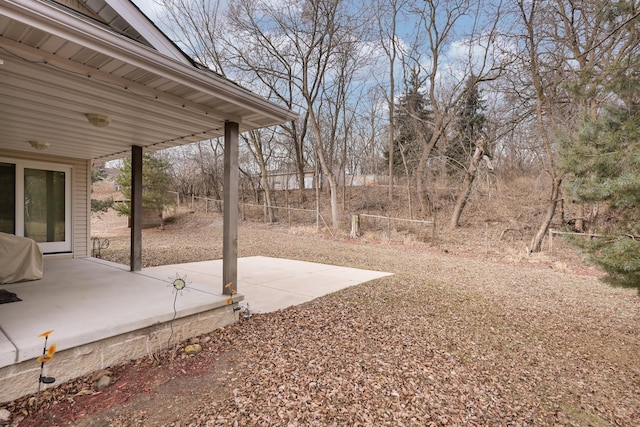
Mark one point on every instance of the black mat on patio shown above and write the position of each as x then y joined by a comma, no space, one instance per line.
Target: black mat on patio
6,296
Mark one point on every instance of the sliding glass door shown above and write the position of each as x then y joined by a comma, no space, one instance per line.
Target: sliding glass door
36,203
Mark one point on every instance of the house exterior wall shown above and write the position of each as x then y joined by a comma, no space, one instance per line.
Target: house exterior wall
80,195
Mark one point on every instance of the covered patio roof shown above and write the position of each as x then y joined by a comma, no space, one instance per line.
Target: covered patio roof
96,80
59,65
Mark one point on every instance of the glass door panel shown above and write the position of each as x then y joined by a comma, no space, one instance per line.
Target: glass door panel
35,202
44,205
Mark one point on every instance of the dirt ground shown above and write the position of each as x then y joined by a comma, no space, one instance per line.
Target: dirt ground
460,335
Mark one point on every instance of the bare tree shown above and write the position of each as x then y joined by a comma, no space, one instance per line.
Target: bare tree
199,26
366,143
184,170
531,13
210,160
469,177
323,34
304,53
204,30
263,55
387,14
258,143
445,86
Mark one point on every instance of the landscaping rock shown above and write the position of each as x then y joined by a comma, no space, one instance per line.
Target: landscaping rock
193,349
104,382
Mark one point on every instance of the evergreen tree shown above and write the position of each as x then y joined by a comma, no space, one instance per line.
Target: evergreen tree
407,147
469,127
156,184
603,162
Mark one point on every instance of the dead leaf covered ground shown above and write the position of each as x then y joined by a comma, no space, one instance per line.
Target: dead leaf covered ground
448,340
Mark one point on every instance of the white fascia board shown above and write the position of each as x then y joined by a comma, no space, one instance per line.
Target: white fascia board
58,22
130,13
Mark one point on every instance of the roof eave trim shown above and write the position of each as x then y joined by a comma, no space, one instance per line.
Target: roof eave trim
136,18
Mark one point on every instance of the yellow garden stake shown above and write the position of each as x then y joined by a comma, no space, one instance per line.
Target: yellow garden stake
47,355
231,293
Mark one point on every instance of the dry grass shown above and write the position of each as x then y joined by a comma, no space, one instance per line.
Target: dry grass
453,338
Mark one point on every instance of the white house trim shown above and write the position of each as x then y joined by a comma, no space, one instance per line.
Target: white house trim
150,32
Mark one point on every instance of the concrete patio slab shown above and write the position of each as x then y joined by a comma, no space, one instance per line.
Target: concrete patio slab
86,300
270,284
8,352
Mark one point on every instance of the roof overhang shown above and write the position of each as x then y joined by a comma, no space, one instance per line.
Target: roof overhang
57,66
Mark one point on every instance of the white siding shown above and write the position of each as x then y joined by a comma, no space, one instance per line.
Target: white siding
80,195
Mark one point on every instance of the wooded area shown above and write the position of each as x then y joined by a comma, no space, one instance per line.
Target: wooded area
430,95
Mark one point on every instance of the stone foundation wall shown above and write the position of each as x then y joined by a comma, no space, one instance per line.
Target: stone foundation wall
22,379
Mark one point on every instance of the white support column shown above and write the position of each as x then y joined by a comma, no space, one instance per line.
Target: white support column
230,224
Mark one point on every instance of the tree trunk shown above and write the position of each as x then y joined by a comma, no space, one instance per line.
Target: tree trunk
335,215
390,144
300,171
325,168
298,136
426,206
536,243
408,179
258,155
465,190
267,199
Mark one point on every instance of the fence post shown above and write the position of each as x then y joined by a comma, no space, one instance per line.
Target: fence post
551,241
193,197
206,205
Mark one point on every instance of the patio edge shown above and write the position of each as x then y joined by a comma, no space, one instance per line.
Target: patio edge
21,379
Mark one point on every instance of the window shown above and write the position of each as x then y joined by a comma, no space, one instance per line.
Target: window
35,202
